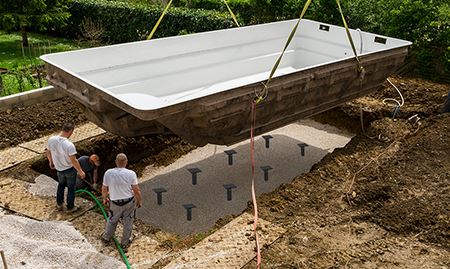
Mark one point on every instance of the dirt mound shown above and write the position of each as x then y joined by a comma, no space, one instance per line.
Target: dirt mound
382,201
410,194
28,123
388,129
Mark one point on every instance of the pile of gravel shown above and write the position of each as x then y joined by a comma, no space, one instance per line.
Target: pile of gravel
43,186
50,244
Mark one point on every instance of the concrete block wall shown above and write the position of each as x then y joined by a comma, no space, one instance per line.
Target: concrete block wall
29,98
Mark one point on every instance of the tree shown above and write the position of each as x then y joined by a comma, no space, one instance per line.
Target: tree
25,15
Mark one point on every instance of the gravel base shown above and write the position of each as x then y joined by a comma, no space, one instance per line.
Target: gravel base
306,130
44,186
49,244
220,189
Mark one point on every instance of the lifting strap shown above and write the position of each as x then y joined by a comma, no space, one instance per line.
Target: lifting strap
232,14
260,96
167,8
263,94
159,21
350,39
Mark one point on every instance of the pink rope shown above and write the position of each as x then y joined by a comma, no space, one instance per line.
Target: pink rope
255,206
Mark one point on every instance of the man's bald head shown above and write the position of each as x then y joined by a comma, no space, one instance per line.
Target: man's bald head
94,159
121,160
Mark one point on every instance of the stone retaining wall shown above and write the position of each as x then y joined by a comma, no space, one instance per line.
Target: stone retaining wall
29,98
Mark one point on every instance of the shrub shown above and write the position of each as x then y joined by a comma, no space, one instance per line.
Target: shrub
243,9
426,23
125,22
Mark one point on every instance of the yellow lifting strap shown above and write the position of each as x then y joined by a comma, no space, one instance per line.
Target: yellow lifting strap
231,13
360,67
262,95
167,7
159,21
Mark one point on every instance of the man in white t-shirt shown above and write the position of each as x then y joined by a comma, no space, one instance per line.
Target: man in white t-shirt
124,197
61,156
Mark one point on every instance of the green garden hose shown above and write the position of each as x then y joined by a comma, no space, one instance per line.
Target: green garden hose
124,257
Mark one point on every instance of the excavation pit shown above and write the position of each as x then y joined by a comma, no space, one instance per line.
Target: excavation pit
202,187
141,151
198,178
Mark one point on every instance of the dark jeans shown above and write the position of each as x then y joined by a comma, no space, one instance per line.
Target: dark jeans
66,178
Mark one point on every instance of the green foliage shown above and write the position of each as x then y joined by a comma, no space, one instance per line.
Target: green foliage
32,14
12,55
426,23
202,4
19,80
22,65
125,22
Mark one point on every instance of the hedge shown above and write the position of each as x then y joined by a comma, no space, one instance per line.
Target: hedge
125,22
244,9
426,23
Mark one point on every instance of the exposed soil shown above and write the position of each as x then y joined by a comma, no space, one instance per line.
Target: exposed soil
28,123
383,201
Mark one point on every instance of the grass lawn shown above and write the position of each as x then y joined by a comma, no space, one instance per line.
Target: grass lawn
14,57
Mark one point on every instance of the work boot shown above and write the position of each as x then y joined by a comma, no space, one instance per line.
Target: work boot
104,241
73,209
125,246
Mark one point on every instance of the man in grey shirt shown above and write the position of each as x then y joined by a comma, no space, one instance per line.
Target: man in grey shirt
121,185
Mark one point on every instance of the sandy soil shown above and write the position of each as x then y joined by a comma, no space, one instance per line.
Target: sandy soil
381,202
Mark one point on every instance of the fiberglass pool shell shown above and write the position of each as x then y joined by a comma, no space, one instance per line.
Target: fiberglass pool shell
200,86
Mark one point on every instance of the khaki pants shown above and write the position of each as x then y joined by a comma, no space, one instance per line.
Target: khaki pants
126,212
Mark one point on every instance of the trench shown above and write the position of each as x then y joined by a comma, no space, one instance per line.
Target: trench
141,151
186,190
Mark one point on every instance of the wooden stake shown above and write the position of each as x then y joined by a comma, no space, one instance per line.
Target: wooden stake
3,259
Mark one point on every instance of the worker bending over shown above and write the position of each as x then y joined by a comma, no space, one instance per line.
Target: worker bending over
124,197
89,165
